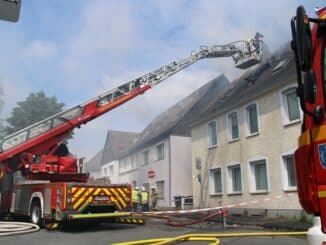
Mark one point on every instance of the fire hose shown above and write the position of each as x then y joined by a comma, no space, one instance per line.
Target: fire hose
170,222
16,228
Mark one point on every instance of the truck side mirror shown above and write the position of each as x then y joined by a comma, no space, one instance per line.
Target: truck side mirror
309,86
303,39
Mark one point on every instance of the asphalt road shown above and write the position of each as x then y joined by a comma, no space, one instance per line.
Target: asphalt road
109,233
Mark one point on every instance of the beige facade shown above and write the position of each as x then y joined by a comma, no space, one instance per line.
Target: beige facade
272,144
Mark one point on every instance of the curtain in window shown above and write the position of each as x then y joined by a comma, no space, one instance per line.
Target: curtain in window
260,175
145,155
212,133
293,106
160,189
290,167
217,177
234,126
253,119
236,178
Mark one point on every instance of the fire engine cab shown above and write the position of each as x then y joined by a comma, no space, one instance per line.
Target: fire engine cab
310,157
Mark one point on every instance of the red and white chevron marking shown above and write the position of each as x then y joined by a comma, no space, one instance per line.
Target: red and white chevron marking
217,208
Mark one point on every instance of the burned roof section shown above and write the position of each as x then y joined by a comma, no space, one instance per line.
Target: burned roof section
176,120
275,72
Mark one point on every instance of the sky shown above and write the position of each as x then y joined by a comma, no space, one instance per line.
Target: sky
77,49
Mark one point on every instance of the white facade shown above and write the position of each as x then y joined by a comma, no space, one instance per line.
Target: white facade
170,159
110,170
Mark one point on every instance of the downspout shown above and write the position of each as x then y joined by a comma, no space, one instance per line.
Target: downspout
170,171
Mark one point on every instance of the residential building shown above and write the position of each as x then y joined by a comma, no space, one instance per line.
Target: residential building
93,166
243,142
105,162
164,147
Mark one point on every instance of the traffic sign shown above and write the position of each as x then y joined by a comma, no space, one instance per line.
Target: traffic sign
151,174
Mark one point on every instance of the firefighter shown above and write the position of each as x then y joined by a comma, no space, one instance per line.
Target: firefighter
154,198
135,199
144,199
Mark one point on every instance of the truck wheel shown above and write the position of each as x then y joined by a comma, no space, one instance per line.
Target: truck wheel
36,213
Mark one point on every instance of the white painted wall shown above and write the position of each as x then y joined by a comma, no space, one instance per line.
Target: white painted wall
181,172
110,170
176,182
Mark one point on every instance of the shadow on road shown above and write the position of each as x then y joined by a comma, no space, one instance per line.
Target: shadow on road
91,227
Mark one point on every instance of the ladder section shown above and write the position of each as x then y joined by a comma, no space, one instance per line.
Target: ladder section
63,122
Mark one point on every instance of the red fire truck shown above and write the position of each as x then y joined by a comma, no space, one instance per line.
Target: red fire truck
310,157
40,178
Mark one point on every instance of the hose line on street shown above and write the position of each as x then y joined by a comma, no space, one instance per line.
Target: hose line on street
16,228
213,237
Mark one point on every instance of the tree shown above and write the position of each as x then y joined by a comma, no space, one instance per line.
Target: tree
36,107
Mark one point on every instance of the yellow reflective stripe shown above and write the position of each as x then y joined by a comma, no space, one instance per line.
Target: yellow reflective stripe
118,199
80,200
113,198
98,215
304,139
318,133
121,193
78,193
321,194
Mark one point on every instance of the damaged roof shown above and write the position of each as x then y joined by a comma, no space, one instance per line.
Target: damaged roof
275,72
177,118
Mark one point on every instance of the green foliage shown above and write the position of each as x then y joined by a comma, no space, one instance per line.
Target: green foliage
36,107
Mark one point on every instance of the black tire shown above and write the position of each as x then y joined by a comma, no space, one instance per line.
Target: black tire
35,216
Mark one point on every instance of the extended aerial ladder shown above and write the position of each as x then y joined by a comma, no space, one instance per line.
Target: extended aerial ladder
39,149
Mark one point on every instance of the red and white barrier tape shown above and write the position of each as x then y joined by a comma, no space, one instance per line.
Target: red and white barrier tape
216,208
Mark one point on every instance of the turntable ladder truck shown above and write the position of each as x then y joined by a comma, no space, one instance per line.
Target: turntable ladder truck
39,177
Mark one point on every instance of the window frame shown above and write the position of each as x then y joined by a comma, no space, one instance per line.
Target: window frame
229,180
247,119
162,155
208,134
161,195
143,155
284,172
211,181
284,105
252,177
229,126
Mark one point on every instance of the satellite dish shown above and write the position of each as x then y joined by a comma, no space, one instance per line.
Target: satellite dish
9,10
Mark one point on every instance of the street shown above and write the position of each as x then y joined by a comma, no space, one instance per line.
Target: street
98,234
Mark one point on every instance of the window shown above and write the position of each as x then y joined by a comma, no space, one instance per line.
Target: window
290,106
288,176
212,134
134,161
258,176
145,157
123,165
160,152
234,179
160,189
216,181
251,118
111,170
233,126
